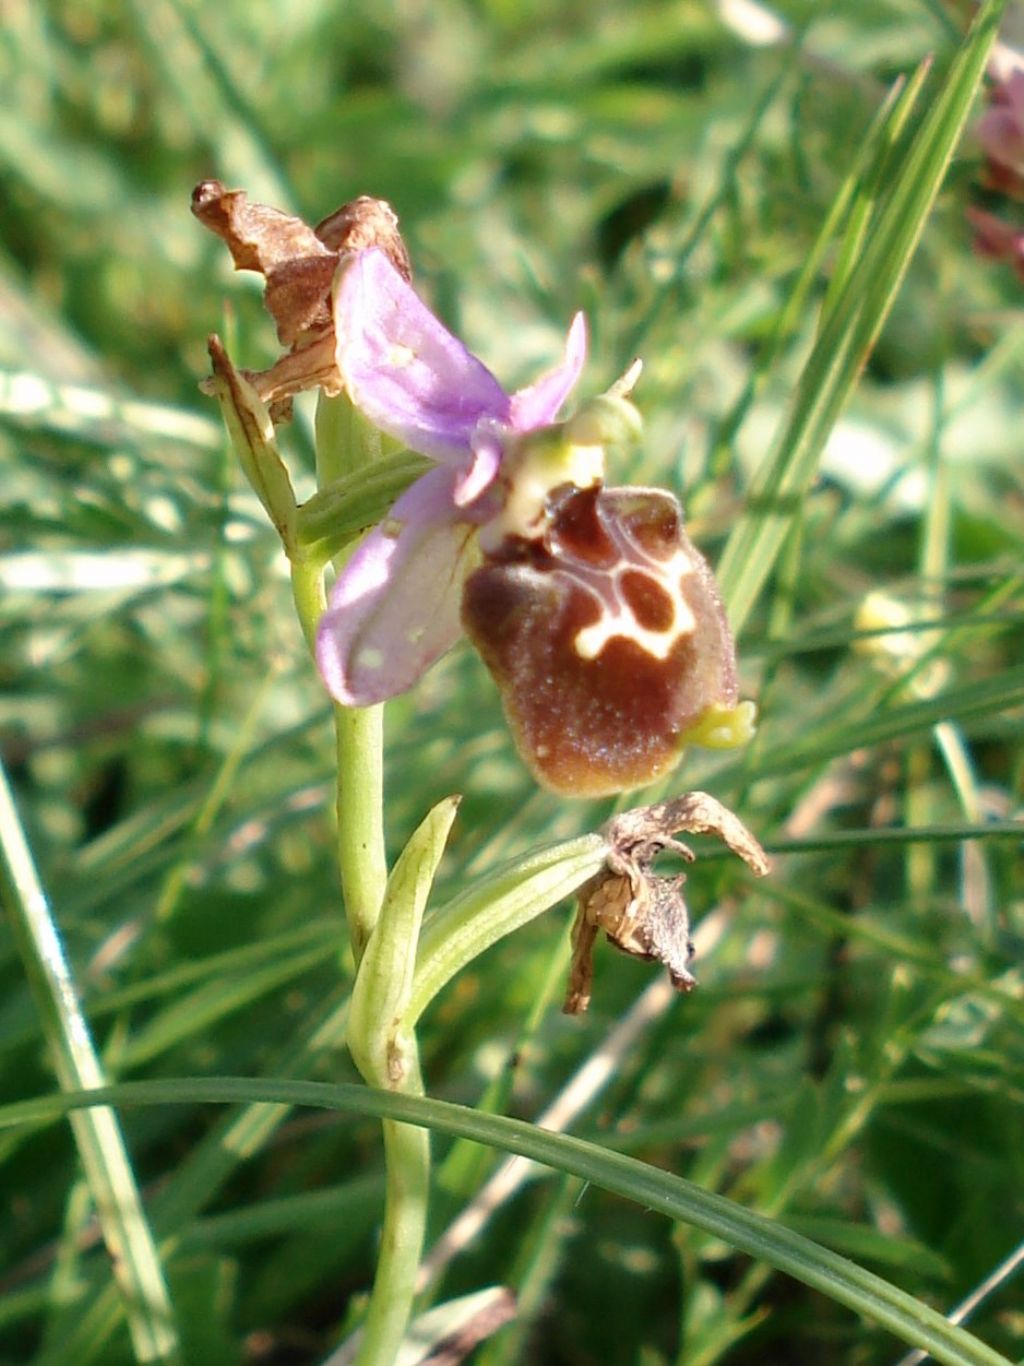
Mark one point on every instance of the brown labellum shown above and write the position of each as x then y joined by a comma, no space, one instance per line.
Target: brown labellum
606,637
641,912
298,263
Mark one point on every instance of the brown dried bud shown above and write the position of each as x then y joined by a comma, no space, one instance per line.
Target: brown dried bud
363,223
298,263
642,913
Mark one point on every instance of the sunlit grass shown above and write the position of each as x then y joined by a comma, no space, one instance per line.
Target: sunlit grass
851,1065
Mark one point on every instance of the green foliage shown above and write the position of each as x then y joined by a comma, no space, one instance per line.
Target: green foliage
850,1067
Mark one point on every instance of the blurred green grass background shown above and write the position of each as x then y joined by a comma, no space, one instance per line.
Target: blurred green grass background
852,1062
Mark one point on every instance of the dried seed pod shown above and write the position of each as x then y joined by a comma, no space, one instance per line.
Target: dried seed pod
641,912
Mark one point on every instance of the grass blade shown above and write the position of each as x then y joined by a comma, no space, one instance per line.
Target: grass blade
136,1265
850,330
835,1276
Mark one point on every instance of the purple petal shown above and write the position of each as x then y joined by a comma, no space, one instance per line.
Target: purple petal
476,477
405,371
394,609
538,404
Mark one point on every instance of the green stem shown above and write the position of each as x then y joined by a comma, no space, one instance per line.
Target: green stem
388,1057
345,442
359,738
310,598
383,921
407,1164
359,742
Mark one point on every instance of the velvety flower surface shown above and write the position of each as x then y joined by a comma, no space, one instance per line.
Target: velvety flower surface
394,609
608,640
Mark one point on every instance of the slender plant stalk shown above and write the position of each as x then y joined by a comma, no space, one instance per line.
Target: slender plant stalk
383,917
346,443
134,1259
383,932
407,1175
407,1187
359,746
359,741
387,1055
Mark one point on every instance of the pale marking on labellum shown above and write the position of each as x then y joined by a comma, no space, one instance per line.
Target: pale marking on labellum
618,618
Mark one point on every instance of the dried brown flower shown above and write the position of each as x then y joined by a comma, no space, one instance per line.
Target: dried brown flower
298,263
641,912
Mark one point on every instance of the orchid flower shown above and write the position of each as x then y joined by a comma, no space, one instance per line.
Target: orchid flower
394,608
597,618
595,615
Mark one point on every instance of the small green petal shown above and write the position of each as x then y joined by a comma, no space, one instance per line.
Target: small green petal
723,727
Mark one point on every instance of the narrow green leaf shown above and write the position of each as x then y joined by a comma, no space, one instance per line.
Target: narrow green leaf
495,906
337,513
870,186
857,1240
790,319
252,436
985,697
844,342
763,1239
385,976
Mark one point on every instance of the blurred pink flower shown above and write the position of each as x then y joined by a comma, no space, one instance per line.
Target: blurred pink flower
1000,131
998,240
